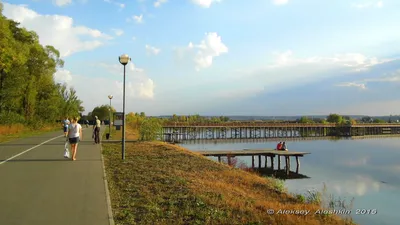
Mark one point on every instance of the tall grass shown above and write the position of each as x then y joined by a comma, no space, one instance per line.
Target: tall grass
13,131
166,184
323,198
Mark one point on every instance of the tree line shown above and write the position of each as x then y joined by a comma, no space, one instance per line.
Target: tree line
28,93
342,120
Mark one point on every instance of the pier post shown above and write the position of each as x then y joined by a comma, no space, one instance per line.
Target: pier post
252,161
298,164
279,162
259,161
272,162
266,161
219,159
287,164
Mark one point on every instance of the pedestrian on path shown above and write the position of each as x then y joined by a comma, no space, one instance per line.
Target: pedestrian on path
74,135
66,123
96,130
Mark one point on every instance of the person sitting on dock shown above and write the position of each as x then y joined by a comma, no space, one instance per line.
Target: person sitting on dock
279,146
284,147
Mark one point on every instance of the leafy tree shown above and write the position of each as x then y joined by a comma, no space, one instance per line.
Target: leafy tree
366,119
28,93
102,112
334,118
377,120
305,119
150,128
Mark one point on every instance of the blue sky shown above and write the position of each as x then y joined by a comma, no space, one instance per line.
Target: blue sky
259,57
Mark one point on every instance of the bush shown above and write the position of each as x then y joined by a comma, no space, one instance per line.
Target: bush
150,129
9,118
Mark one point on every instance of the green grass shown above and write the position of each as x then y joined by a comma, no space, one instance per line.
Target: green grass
159,183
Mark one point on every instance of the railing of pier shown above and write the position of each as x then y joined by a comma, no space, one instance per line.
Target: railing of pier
266,124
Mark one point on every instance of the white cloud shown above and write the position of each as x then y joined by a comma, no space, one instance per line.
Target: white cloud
120,5
297,71
116,69
62,2
56,30
118,32
62,76
378,4
139,87
280,2
137,19
356,61
211,46
158,3
393,77
152,50
353,84
205,3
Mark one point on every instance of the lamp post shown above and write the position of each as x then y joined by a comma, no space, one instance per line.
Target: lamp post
109,120
123,59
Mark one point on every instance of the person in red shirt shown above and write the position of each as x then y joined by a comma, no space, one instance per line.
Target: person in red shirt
279,146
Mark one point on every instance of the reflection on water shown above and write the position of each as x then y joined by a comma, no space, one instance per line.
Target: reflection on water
366,169
280,174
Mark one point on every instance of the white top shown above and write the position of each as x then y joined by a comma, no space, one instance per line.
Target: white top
74,130
98,123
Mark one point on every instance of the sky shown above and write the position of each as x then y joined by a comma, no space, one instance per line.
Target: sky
225,57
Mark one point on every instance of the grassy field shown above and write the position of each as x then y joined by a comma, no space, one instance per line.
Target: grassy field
160,183
11,132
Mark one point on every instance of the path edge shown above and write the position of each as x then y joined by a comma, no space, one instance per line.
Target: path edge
108,199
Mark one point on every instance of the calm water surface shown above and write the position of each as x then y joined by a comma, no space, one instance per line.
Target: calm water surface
366,169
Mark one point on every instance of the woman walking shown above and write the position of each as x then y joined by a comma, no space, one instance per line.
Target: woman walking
74,135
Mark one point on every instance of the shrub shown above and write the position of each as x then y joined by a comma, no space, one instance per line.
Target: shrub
150,129
9,118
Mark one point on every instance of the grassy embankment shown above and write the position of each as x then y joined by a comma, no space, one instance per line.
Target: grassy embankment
15,131
160,183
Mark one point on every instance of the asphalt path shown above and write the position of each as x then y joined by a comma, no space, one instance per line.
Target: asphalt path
39,187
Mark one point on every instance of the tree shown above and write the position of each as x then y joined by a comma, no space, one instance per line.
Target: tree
334,118
28,92
366,119
305,119
102,112
377,120
150,128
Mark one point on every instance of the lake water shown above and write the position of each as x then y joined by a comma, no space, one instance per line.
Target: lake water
366,169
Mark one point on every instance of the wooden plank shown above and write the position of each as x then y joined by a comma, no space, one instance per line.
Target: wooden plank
250,153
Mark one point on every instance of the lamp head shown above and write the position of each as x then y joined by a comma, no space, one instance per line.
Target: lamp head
110,96
124,59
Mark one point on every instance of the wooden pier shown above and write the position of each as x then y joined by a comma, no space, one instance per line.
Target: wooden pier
267,153
177,132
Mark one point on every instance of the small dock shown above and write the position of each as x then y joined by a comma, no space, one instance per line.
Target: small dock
266,153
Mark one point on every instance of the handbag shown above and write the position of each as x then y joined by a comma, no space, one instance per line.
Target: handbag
66,151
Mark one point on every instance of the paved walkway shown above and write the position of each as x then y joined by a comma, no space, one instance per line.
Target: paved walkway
40,187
